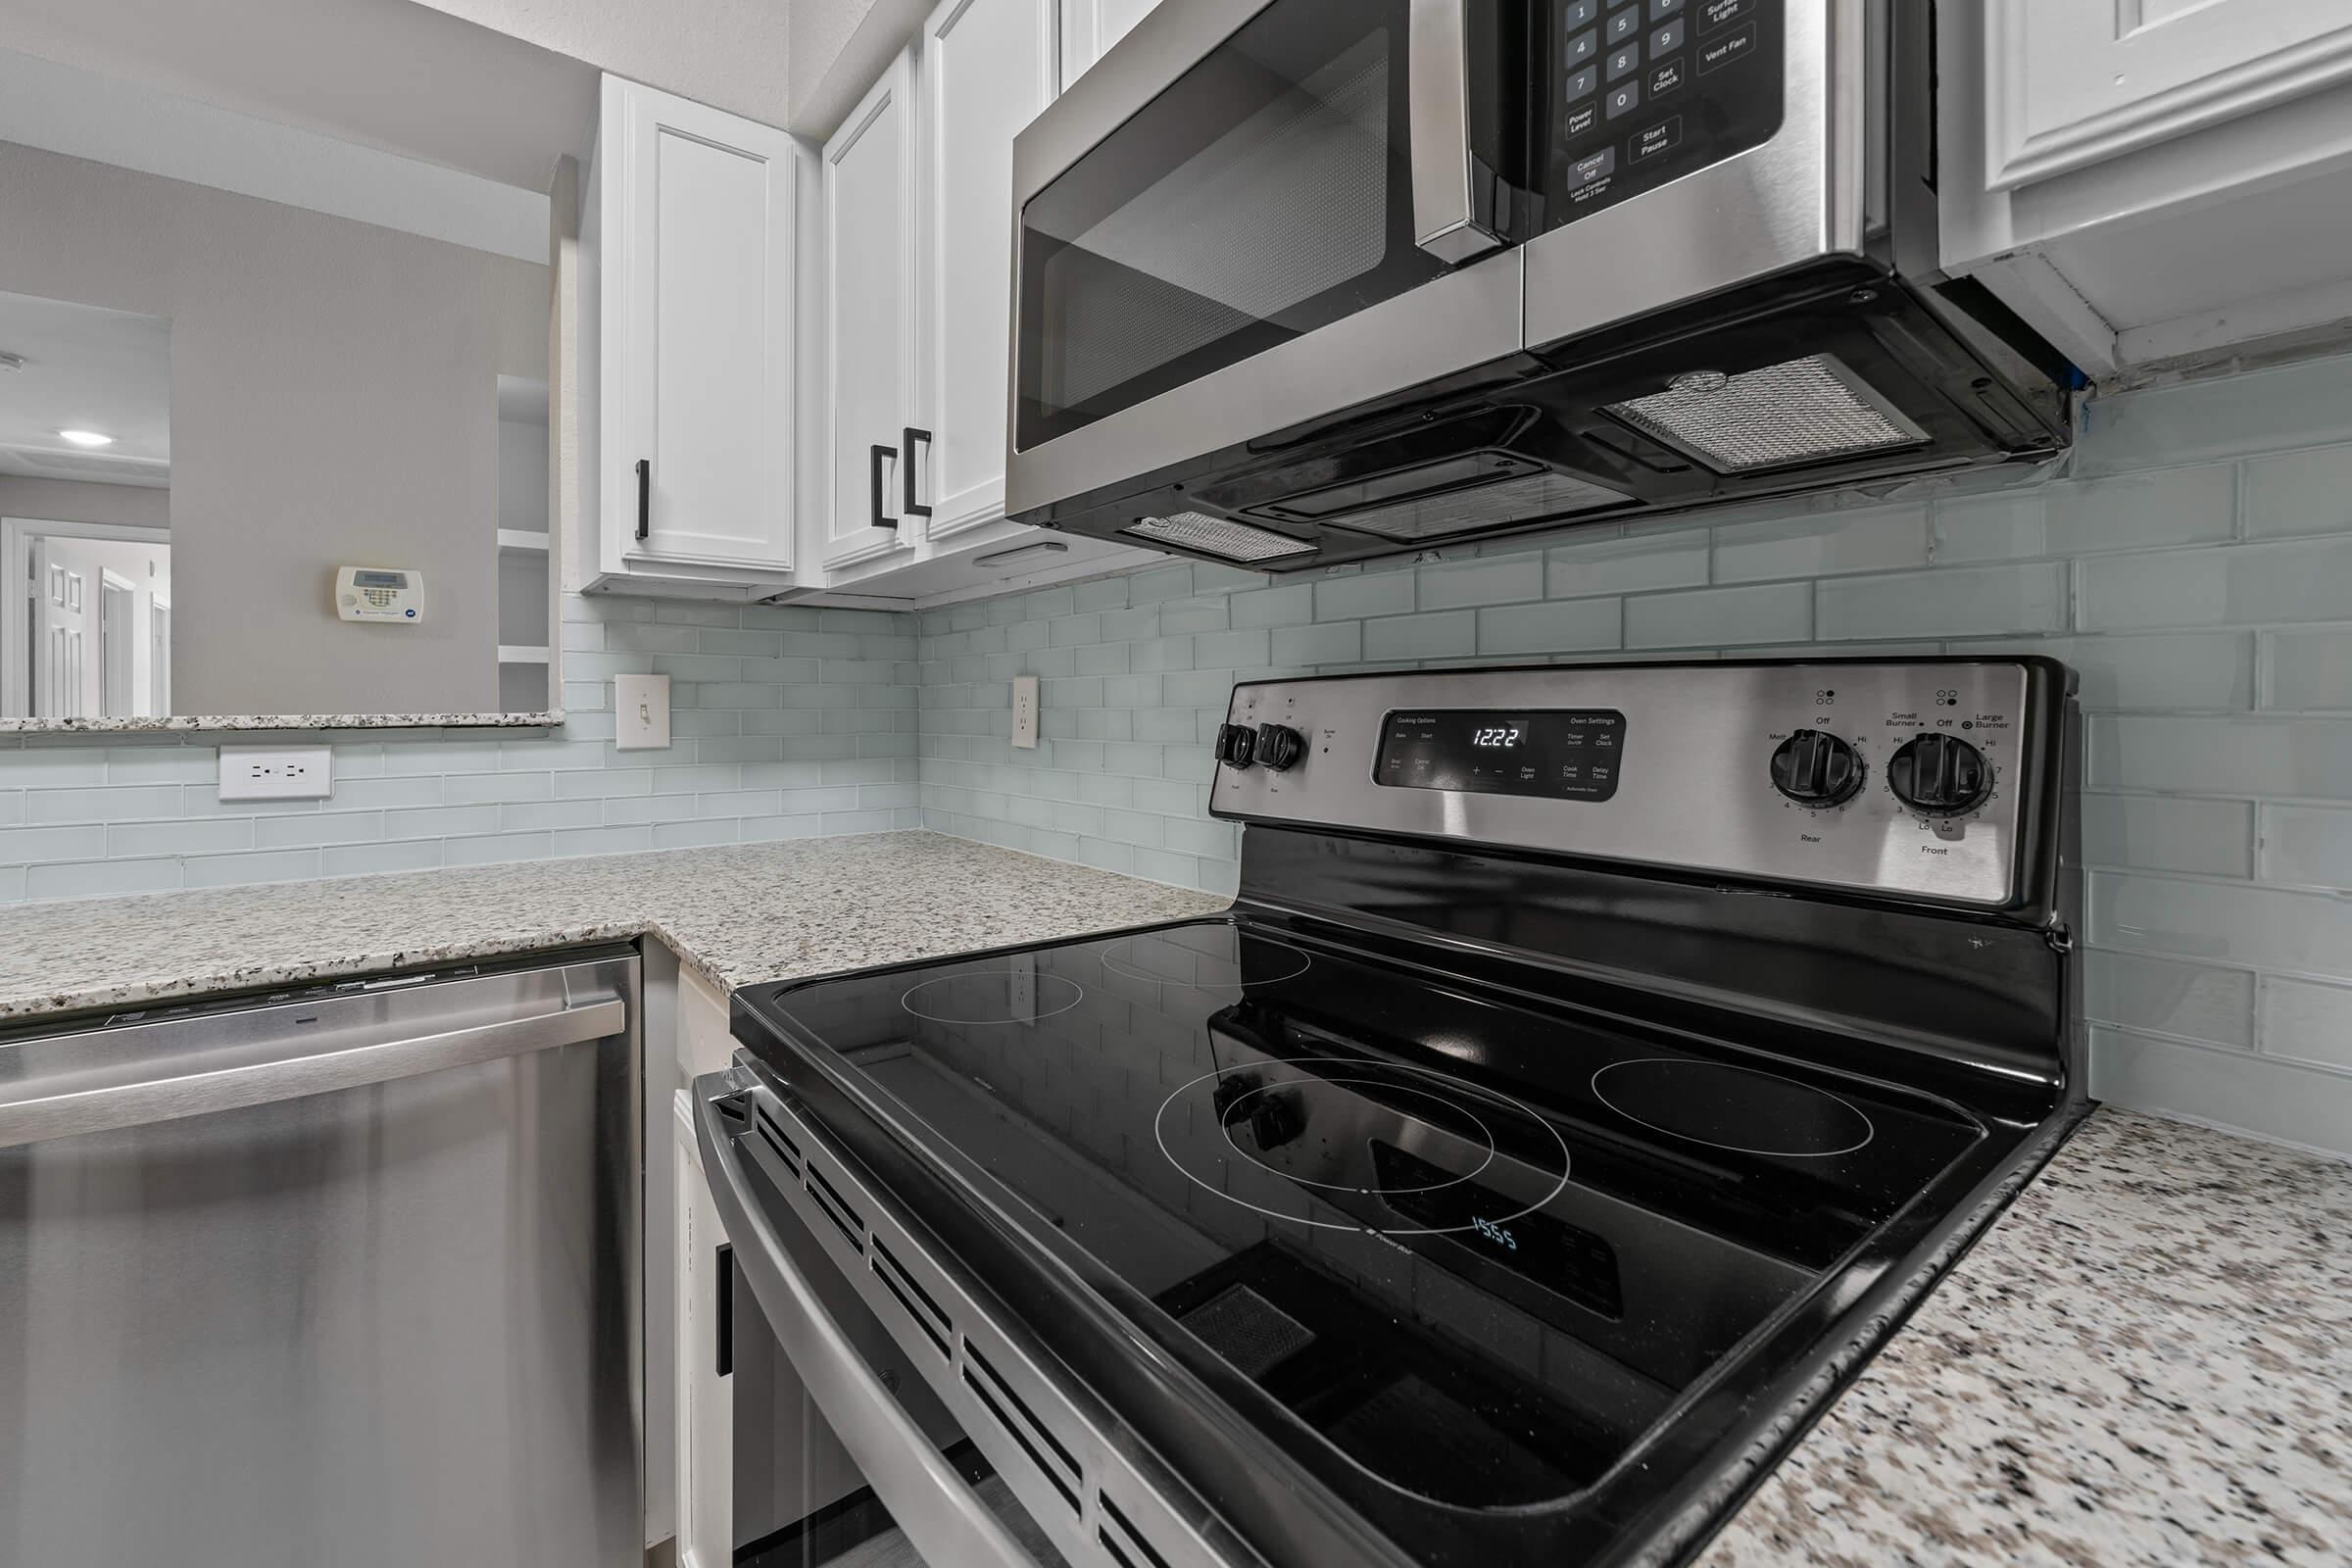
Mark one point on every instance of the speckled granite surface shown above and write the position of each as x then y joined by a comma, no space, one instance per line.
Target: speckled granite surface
190,723
2147,1361
739,915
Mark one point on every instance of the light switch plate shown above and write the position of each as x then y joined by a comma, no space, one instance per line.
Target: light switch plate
640,712
1024,713
276,772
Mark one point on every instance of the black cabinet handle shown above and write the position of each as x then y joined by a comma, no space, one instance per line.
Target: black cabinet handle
645,497
726,1309
908,438
875,457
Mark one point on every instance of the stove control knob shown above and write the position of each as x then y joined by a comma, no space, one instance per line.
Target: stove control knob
1279,746
1237,745
1814,768
1941,775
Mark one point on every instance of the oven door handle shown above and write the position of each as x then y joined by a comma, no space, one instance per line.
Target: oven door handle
943,1518
1446,221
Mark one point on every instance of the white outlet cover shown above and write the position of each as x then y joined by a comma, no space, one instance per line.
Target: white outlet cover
1024,712
640,712
276,772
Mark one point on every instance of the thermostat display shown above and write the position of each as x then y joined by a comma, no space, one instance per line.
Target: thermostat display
380,593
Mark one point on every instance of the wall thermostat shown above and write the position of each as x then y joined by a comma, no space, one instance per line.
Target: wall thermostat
380,593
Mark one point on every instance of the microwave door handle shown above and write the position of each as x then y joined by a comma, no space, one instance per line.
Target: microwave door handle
1446,220
943,1518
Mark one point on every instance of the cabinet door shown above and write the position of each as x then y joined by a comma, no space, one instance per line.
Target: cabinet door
700,466
869,290
2075,82
1091,26
705,1451
988,68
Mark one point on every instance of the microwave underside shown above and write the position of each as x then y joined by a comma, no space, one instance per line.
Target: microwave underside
1847,381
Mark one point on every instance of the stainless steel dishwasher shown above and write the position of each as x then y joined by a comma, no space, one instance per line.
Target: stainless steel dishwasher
341,1276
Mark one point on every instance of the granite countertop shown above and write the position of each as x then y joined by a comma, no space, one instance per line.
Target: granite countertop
737,914
2147,1361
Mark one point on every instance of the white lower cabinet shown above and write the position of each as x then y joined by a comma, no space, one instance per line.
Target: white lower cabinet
706,1396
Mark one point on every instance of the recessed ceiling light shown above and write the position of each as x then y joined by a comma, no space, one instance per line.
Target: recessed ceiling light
12,362
88,438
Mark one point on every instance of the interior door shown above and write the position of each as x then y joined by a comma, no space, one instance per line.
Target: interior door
988,67
708,233
61,627
869,284
117,648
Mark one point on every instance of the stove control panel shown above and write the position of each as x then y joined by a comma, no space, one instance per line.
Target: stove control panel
1903,776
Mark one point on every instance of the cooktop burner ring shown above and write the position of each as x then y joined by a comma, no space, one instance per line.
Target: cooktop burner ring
1842,1126
1233,1113
1064,994
1132,971
1446,1081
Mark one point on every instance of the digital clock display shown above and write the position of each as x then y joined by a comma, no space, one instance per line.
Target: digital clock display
1569,753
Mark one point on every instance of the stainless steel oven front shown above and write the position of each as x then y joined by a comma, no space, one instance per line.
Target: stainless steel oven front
887,1408
1255,219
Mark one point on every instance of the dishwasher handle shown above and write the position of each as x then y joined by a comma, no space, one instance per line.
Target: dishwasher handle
151,1091
941,1515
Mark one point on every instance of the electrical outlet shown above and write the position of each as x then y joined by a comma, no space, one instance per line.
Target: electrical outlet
640,712
276,772
1024,712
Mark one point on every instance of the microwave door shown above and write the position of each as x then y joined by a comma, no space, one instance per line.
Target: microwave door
1221,235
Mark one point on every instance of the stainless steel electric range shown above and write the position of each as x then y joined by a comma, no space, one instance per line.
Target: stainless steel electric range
1596,1065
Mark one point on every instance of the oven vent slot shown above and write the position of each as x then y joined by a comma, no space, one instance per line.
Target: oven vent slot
1127,1545
781,1142
844,1217
928,1317
996,1395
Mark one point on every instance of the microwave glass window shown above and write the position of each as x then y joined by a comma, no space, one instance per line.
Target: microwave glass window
1264,194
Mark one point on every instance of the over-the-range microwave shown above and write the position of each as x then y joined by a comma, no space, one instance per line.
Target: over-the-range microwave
1307,281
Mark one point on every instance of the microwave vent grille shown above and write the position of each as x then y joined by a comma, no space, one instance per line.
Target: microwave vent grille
1812,409
1218,536
1533,495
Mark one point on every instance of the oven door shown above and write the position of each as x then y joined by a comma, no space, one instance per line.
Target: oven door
1253,214
842,1452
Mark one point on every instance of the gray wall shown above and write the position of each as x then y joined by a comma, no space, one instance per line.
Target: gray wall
126,505
333,402
2196,571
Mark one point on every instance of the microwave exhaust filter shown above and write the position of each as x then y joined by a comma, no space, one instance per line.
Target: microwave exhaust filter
1533,495
1218,536
1812,409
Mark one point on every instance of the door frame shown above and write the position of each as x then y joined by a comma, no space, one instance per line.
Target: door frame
15,594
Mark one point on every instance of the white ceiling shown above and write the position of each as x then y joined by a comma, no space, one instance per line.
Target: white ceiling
85,370
388,74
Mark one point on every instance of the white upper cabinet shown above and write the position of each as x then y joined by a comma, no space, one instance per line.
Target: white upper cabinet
2076,82
695,232
870,268
2151,182
1091,26
988,68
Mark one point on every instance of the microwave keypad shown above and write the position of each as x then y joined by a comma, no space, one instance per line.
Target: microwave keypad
1649,90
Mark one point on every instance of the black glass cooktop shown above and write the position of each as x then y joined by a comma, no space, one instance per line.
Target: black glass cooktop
1477,1240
